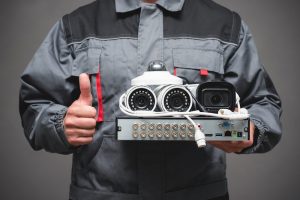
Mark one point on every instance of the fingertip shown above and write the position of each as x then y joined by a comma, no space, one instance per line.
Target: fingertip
83,75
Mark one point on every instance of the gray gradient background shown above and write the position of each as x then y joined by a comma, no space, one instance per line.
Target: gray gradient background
25,174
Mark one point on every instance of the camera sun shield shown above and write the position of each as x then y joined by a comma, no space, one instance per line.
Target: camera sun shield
214,96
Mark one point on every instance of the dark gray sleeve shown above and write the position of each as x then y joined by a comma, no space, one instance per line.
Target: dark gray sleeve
47,89
244,70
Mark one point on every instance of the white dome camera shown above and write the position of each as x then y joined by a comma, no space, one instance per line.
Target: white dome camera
156,75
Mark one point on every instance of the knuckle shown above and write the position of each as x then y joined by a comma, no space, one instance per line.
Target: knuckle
92,132
93,112
72,106
72,109
67,121
68,132
72,140
88,133
93,122
90,110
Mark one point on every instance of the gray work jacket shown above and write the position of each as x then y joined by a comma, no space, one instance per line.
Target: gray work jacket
113,41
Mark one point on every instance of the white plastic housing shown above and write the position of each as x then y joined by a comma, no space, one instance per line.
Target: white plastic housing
156,78
161,95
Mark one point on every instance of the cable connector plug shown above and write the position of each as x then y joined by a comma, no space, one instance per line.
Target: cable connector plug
244,111
225,112
200,138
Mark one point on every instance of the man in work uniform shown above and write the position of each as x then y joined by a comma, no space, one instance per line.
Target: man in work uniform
70,91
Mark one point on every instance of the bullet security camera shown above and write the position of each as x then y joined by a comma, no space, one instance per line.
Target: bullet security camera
214,96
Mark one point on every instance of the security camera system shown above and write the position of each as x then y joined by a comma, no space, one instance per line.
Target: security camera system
159,107
179,129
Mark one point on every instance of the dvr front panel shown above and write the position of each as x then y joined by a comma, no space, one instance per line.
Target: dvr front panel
180,129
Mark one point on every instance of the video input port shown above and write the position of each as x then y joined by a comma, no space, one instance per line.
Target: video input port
183,127
175,127
167,127
159,127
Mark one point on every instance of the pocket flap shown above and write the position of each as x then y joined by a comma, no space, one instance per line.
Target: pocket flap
211,60
86,61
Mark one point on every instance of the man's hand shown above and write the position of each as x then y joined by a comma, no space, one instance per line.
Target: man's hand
236,146
80,120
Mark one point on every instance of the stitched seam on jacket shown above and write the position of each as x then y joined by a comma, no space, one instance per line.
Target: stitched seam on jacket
167,38
101,39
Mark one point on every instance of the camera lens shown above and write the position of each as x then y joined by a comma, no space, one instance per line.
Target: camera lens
216,99
141,101
141,98
175,99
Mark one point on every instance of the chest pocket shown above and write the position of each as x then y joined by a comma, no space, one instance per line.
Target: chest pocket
189,63
87,61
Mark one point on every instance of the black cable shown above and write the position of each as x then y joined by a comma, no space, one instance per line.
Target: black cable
185,81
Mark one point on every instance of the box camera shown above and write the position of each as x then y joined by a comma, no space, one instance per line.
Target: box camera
214,96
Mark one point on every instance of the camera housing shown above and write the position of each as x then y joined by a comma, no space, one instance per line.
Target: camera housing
214,96
174,98
140,98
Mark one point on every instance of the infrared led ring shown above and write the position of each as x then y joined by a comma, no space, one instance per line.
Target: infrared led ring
175,98
141,98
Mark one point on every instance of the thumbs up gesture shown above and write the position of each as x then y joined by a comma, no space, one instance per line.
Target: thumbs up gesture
80,119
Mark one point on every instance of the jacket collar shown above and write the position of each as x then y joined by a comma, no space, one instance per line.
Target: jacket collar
123,6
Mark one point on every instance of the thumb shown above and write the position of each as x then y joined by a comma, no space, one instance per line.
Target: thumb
85,90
